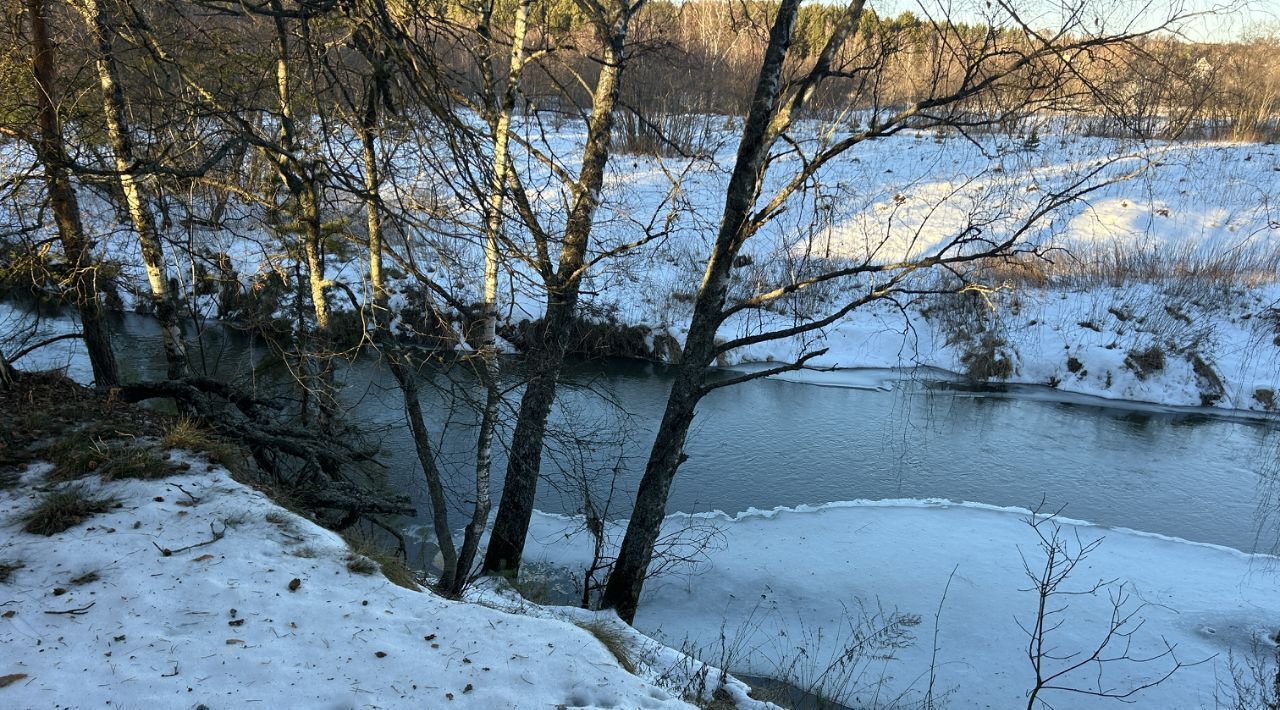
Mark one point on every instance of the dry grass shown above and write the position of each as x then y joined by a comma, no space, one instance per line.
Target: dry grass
359,564
87,578
985,360
614,640
140,462
190,435
63,510
80,454
1183,270
1145,362
7,569
368,556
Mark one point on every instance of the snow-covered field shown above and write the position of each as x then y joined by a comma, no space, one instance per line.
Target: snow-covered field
1189,205
787,590
269,614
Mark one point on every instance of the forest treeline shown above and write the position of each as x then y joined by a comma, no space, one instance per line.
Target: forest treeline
399,166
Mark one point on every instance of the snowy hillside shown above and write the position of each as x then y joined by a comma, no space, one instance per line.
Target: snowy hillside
137,608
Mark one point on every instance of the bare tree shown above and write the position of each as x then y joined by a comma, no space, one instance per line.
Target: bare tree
1057,669
99,18
1036,68
611,20
52,154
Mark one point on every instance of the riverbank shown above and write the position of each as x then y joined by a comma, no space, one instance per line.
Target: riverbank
1147,291
166,582
198,591
931,595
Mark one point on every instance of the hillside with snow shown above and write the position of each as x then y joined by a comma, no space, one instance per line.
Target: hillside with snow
198,591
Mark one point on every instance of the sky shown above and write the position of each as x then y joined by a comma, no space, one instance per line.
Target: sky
1222,19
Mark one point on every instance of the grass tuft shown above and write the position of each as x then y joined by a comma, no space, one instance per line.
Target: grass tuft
7,569
614,640
368,556
87,578
1145,362
63,510
140,462
79,455
985,360
189,435
359,564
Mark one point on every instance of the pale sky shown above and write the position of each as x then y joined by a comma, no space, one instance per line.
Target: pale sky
1230,19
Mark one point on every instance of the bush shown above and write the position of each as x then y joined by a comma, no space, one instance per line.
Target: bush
986,361
1145,362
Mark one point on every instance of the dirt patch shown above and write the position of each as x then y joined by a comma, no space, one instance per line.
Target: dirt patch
1266,397
40,409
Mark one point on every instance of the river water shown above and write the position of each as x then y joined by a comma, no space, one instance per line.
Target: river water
1195,474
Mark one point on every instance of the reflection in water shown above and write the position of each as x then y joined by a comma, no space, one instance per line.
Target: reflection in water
771,443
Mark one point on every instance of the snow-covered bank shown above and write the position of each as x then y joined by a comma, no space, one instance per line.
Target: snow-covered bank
785,585
270,613
1134,343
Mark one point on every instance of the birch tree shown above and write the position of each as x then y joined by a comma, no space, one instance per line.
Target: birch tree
99,19
611,20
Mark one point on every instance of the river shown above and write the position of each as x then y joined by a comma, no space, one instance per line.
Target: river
1202,475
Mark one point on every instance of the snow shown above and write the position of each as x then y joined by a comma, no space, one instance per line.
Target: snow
783,578
786,583
218,625
1200,202
780,595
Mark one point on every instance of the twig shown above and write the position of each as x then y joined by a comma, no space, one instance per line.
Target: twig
194,500
74,612
216,536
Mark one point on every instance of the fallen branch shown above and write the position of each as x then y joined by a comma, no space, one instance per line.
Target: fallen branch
216,536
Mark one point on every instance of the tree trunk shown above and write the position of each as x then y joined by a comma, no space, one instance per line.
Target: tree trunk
313,249
520,487
299,178
407,378
626,581
7,375
102,25
373,215
501,126
515,509
66,207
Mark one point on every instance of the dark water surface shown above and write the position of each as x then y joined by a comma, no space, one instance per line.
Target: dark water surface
1200,476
